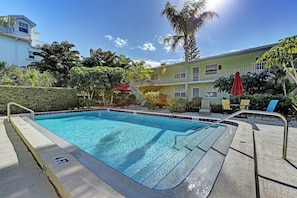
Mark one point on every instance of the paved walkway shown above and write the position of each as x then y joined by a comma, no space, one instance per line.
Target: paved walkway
22,177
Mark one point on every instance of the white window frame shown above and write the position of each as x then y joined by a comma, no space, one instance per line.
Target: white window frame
179,93
259,67
179,73
23,27
31,55
211,93
197,88
211,69
196,75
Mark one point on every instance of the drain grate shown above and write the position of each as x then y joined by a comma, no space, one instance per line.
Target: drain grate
60,160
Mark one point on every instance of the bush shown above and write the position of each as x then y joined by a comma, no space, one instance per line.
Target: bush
37,98
177,105
194,104
261,101
87,102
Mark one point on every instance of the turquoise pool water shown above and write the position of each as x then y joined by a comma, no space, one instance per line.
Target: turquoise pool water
135,145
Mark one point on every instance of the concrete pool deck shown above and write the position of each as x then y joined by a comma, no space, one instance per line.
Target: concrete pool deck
238,177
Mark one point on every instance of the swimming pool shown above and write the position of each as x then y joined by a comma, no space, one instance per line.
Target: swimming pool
156,152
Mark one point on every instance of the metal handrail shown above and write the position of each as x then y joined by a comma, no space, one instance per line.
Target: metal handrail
286,126
16,104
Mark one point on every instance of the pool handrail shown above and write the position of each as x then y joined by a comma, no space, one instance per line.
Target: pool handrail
286,126
16,104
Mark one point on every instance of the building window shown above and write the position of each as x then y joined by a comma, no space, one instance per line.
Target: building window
180,93
211,93
31,55
211,69
23,27
259,66
155,76
180,73
196,92
196,74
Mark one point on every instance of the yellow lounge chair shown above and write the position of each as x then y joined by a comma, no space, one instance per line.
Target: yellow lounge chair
226,106
244,104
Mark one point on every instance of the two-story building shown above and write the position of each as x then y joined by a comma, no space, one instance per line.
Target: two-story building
203,72
18,41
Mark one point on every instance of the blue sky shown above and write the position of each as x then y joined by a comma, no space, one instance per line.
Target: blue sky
135,27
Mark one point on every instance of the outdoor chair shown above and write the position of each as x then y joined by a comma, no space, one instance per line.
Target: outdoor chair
226,106
205,107
271,106
244,104
140,106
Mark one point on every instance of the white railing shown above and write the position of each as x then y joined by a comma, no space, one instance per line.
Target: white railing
16,104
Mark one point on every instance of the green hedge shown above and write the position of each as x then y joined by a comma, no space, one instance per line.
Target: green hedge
39,99
261,101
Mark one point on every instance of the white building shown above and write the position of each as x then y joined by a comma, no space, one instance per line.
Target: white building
18,42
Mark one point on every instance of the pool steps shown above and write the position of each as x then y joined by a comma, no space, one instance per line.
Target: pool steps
175,161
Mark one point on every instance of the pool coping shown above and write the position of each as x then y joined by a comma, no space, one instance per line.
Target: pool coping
56,172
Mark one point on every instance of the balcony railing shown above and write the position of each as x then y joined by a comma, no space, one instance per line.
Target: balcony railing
10,33
202,78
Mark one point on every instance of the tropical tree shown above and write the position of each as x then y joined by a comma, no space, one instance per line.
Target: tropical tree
283,55
15,75
137,74
186,22
108,58
6,21
193,49
97,80
254,83
58,59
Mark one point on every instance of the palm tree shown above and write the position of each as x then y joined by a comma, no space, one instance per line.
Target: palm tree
6,21
186,23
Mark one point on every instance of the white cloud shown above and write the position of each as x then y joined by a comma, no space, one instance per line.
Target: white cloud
148,47
120,42
167,48
109,37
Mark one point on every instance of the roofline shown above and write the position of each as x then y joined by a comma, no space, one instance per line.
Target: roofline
223,55
23,17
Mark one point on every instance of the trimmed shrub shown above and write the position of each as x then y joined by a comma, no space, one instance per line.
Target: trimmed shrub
38,99
177,105
194,104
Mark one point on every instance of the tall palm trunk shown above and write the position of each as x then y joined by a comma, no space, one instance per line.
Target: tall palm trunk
186,69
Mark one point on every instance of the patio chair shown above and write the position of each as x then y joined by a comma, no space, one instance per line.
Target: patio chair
226,106
244,104
271,106
205,107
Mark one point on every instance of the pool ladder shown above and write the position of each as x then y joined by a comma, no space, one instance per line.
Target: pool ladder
255,112
16,104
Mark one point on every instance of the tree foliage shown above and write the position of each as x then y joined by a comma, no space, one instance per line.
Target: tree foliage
97,80
186,22
255,83
283,55
15,75
6,21
58,59
100,58
193,49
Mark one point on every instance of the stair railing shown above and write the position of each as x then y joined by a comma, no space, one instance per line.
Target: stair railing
16,104
255,112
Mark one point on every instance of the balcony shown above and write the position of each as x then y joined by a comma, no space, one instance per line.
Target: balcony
10,33
202,78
